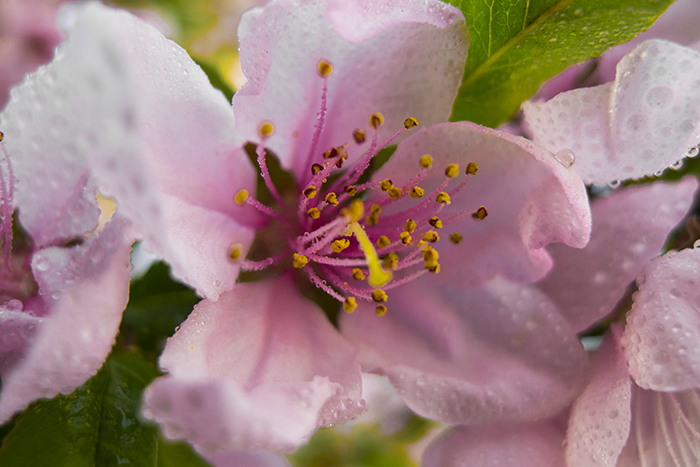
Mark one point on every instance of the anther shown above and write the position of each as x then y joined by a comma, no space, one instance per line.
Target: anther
480,214
341,161
358,275
330,154
314,213
405,238
430,258
372,219
435,222
300,261
331,198
316,168
435,269
325,69
266,129
456,238
452,170
390,262
375,209
376,120
359,136
426,161
2,136
383,241
385,185
240,197
410,226
409,123
431,236
310,192
354,212
443,198
339,245
350,190
380,310
235,251
472,168
394,192
379,296
416,192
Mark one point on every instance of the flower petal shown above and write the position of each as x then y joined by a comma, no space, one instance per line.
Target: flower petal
402,62
614,133
662,336
527,445
600,418
629,229
262,368
248,459
530,197
496,354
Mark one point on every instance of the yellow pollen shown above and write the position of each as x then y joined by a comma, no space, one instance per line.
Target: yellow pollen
359,136
325,69
310,192
314,213
235,251
443,198
379,296
341,161
330,154
375,209
409,123
435,222
339,245
376,120
316,168
394,192
416,192
350,190
426,161
385,185
383,241
372,219
240,197
354,212
410,226
377,276
331,198
405,238
472,168
480,214
435,269
452,170
431,236
300,261
350,304
430,258
456,238
2,136
358,275
391,261
380,310
266,129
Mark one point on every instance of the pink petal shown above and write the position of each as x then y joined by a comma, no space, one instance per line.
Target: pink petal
262,368
531,199
402,62
496,354
629,228
248,459
85,290
615,133
600,417
527,445
662,336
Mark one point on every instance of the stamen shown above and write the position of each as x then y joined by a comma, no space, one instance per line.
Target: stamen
331,199
260,151
376,120
359,136
409,123
405,238
235,251
258,265
350,190
321,115
416,192
385,185
358,275
380,310
383,241
325,69
349,304
426,161
379,296
472,168
266,129
452,170
395,193
314,213
410,226
480,214
390,262
7,193
310,192
339,245
435,222
456,238
443,198
322,285
300,261
316,168
240,197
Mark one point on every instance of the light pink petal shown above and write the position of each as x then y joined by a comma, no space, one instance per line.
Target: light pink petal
496,354
262,368
527,445
629,228
531,199
645,121
600,418
662,336
248,459
402,61
84,289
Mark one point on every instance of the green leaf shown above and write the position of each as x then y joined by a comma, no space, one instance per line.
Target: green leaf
516,45
178,454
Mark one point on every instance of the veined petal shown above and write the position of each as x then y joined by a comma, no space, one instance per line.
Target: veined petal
629,228
402,62
262,368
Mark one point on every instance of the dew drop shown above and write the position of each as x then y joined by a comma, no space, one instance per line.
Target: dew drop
565,157
42,265
677,165
14,305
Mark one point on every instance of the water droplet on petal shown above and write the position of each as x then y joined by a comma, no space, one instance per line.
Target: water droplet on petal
566,157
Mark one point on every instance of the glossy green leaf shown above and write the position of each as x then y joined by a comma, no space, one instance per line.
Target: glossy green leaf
516,45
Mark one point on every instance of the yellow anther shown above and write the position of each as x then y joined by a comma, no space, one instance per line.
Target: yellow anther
339,245
380,310
426,161
235,251
480,214
452,170
431,236
405,238
410,226
443,198
472,168
383,241
375,209
300,261
331,198
324,69
314,213
359,136
341,161
372,219
354,212
394,192
416,192
310,192
350,190
377,276
430,258
435,222
385,185
350,304
266,129
240,197
379,296
391,261
358,275
330,154
316,168
2,136
409,123
376,120
456,238
435,269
